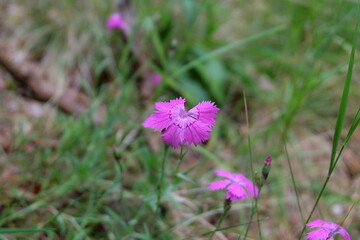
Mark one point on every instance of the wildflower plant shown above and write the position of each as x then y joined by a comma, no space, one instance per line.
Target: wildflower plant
181,127
238,188
237,185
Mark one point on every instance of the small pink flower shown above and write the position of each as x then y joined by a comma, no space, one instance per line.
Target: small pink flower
237,185
116,21
180,126
326,231
156,78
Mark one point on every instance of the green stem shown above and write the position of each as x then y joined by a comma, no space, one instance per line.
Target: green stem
315,205
253,211
121,181
254,206
222,217
258,217
119,169
348,213
179,161
292,177
161,180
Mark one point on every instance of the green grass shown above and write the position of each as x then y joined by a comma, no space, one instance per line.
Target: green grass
289,57
335,155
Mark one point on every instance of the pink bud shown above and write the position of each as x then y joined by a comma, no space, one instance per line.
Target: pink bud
116,21
156,78
268,160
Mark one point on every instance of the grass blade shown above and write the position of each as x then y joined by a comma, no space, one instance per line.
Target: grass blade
344,100
24,230
355,123
293,179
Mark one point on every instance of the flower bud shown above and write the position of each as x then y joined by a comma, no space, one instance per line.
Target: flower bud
259,180
266,167
227,205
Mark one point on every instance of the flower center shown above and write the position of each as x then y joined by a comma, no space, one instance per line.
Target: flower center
237,180
183,113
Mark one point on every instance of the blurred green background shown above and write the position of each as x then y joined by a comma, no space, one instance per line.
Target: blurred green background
289,58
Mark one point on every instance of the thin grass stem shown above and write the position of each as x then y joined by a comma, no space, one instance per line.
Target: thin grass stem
348,213
254,208
119,169
121,178
221,229
222,217
179,161
315,205
293,178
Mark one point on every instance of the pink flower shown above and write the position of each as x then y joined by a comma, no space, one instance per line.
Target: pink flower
156,78
116,21
326,231
237,185
180,126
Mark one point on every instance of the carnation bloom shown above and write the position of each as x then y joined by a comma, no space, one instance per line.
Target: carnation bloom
180,126
326,231
237,185
155,78
116,21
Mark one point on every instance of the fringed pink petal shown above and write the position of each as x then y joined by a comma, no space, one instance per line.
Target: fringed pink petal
166,106
178,100
326,231
219,184
237,190
316,223
226,174
173,135
232,197
251,189
161,118
319,234
196,132
158,121
344,233
205,112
